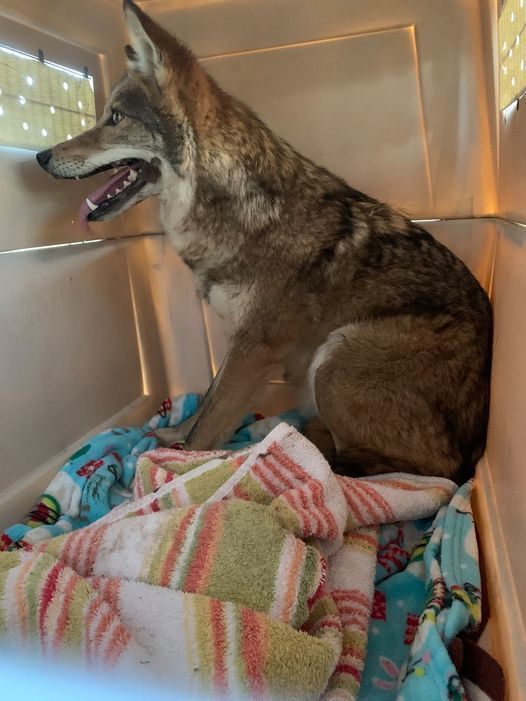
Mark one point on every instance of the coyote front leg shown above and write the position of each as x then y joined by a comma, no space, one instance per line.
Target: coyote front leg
248,365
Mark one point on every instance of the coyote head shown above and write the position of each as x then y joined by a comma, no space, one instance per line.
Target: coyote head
147,129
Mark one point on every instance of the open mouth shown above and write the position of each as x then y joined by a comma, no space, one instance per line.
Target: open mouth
121,189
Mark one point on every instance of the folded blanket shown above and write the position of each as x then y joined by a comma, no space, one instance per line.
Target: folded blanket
236,573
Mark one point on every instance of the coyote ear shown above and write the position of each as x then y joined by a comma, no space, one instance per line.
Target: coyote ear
145,54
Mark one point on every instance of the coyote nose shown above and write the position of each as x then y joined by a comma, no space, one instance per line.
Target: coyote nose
43,157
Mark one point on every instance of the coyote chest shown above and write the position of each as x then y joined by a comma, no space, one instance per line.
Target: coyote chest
228,299
231,303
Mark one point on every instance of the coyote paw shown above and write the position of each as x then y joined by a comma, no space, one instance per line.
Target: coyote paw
177,434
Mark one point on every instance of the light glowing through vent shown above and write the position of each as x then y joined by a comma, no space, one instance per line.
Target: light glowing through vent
512,23
42,103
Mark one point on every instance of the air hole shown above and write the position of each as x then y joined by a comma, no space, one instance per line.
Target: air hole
29,80
25,126
22,100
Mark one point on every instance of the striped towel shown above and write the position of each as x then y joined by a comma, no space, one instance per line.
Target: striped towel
234,573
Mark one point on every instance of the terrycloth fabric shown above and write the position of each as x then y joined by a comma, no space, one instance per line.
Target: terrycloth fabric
99,475
426,592
244,573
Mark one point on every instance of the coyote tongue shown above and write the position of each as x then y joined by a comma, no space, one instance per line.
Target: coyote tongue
120,181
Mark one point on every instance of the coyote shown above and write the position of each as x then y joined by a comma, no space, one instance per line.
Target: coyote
387,330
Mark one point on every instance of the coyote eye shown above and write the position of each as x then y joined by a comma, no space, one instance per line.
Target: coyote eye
116,117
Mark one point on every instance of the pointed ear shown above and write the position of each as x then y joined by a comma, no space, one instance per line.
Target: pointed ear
146,53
